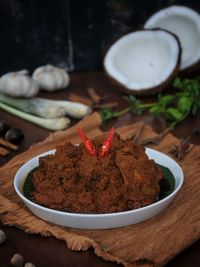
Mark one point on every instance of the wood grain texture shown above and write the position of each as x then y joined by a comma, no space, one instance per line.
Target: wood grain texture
150,243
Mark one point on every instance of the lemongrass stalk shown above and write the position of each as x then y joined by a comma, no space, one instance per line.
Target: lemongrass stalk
50,124
72,109
48,108
34,106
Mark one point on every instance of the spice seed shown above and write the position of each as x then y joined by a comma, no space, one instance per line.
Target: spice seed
17,260
3,237
14,135
93,95
29,264
4,151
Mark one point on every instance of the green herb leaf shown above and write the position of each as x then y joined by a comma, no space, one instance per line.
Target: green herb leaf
174,114
184,104
167,184
166,100
174,108
156,110
28,187
107,114
134,104
190,88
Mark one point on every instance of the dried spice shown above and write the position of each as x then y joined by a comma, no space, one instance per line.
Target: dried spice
105,105
94,100
8,144
182,149
9,137
80,99
14,135
93,95
4,151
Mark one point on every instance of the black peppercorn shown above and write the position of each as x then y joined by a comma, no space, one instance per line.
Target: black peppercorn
14,135
4,127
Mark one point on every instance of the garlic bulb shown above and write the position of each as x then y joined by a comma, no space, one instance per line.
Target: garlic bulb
18,84
51,78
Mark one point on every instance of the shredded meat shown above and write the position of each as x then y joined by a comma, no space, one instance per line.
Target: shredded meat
72,180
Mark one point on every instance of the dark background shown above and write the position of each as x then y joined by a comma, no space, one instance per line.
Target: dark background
73,34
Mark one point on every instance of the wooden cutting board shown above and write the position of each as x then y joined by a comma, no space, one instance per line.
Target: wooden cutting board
150,243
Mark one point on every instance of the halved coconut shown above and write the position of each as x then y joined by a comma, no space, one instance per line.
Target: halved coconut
144,62
185,23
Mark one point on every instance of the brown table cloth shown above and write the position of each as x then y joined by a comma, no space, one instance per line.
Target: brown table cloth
150,243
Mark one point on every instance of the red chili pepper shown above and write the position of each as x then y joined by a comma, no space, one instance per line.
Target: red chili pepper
106,146
88,144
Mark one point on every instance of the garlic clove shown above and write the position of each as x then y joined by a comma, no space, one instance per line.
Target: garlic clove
51,78
18,84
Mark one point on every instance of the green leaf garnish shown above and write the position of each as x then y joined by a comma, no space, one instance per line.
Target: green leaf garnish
167,184
175,108
28,187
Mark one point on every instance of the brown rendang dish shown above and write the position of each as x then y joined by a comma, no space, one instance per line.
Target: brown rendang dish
73,180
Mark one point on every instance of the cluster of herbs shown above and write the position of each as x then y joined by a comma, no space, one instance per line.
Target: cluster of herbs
173,107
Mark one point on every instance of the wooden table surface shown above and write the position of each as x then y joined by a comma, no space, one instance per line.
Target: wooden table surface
49,251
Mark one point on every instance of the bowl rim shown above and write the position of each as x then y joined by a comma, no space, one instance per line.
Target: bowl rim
95,215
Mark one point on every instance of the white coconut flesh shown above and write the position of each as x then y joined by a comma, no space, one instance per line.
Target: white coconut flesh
143,59
185,23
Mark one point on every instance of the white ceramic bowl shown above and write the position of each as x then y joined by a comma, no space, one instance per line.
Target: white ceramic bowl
100,221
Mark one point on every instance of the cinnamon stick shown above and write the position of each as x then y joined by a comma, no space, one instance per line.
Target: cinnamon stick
80,99
8,144
93,95
106,105
182,149
4,151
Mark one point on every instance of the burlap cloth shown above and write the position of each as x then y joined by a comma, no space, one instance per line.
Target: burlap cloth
150,243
